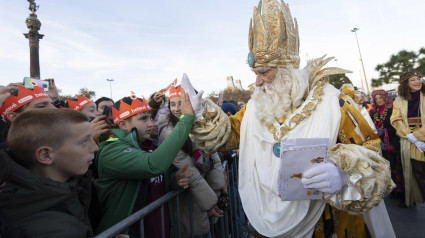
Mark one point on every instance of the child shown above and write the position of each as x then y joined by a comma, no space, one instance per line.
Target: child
207,179
128,175
50,152
98,123
21,100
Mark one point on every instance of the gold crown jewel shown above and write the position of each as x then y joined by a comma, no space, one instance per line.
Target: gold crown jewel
273,36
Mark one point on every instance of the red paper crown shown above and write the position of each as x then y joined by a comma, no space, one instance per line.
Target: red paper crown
126,111
79,104
175,92
25,96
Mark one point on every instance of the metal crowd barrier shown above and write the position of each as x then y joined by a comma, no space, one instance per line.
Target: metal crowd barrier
226,227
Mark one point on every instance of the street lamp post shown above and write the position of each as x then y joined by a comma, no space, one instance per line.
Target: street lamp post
361,60
110,85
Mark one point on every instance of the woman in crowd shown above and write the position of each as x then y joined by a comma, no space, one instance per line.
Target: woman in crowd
407,118
382,108
207,179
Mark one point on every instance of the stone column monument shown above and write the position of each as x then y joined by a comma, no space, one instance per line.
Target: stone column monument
34,37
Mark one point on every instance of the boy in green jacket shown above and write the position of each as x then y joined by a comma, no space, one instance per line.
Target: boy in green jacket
131,177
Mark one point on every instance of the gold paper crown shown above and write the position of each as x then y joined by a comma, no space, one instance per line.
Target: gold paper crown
273,36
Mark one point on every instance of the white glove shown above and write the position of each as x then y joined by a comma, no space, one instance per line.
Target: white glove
420,145
326,178
195,99
412,138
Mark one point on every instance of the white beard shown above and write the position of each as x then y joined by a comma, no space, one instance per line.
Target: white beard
275,100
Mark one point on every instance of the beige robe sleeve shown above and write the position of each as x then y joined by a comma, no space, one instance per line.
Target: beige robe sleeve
397,122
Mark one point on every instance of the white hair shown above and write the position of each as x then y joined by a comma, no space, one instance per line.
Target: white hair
275,100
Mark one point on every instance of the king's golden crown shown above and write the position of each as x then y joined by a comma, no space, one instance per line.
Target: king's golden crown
273,36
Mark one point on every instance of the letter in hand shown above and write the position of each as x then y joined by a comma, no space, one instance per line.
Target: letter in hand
195,99
182,177
325,177
186,106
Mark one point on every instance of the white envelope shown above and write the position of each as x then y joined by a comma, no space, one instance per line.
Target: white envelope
296,156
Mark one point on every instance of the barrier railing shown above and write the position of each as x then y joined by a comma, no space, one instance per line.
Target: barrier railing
227,226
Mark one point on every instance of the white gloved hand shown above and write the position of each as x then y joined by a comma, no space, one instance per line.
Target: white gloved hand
412,138
195,98
420,145
326,178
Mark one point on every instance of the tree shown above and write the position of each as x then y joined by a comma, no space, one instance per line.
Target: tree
213,96
236,94
399,63
337,80
83,92
87,93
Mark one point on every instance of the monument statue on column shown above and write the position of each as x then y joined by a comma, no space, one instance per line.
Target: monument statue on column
34,37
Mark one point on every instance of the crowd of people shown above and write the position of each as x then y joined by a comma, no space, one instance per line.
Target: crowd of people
85,170
75,168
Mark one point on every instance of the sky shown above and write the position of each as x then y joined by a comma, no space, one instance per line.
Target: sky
144,45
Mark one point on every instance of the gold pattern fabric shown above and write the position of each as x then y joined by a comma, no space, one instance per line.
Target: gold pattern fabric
345,225
354,128
318,79
213,130
273,36
373,180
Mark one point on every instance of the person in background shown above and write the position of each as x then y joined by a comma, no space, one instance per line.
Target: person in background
207,179
228,108
159,105
132,173
241,105
364,103
21,100
382,108
408,118
50,151
98,123
103,102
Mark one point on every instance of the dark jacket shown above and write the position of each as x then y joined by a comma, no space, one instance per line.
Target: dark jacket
41,207
393,138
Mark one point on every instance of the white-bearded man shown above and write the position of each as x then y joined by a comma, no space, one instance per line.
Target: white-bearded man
298,103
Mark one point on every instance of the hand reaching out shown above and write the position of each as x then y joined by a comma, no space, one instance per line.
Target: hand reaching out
157,97
186,106
195,98
53,91
183,176
4,93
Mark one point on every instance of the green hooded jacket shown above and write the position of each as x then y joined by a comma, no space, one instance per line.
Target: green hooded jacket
123,167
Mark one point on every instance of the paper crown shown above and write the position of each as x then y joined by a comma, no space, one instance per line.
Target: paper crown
273,36
24,96
175,92
126,111
79,104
